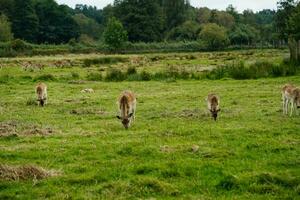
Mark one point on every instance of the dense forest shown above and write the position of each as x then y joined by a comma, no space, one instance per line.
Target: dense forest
46,22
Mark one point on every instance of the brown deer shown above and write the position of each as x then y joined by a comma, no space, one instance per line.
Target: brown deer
127,108
290,95
213,103
41,92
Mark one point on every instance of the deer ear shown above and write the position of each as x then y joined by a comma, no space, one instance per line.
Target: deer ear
118,117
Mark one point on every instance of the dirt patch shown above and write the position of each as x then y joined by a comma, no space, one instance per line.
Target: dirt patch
167,149
14,128
8,128
77,82
38,131
89,111
28,172
186,113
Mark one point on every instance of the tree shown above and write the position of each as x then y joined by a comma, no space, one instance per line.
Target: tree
175,12
7,7
88,26
25,21
287,19
141,18
294,34
203,15
56,22
115,35
5,29
214,36
189,30
243,34
232,11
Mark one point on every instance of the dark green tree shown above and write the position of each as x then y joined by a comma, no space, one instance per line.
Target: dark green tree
141,18
25,21
175,11
189,30
115,35
56,22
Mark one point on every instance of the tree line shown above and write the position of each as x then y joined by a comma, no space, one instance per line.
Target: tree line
46,22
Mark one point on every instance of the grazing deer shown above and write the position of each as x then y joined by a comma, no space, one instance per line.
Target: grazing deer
127,107
290,95
41,92
213,102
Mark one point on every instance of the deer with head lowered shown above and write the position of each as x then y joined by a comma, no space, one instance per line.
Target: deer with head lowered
213,105
290,95
127,108
41,93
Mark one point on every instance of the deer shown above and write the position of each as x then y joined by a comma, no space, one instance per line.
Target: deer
213,105
41,92
290,95
127,108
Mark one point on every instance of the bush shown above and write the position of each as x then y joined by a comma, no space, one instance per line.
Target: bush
260,69
5,79
104,60
115,75
94,77
75,75
20,45
45,77
215,36
131,70
145,76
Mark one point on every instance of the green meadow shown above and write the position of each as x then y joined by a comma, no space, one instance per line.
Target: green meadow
174,150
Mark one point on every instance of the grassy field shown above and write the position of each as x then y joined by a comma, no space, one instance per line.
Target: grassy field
173,150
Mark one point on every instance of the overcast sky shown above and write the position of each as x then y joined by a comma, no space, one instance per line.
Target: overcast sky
218,4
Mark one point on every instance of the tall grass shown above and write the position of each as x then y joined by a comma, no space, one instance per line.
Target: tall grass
260,69
103,60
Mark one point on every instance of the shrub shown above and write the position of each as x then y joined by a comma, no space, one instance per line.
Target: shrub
20,45
145,76
215,36
115,75
94,77
45,77
103,60
131,70
5,79
75,75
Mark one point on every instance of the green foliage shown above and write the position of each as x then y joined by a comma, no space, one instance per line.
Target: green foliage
25,21
115,75
88,26
56,24
5,29
104,60
94,77
189,30
214,36
115,35
20,45
45,77
260,69
143,20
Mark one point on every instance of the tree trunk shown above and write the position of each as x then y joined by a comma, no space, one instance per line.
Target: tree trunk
294,49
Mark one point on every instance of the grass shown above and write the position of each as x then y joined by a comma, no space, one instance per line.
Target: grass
251,152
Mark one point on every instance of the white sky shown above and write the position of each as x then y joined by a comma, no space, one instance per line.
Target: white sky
241,5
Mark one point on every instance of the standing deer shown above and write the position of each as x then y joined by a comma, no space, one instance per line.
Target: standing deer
213,102
41,92
290,95
127,107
